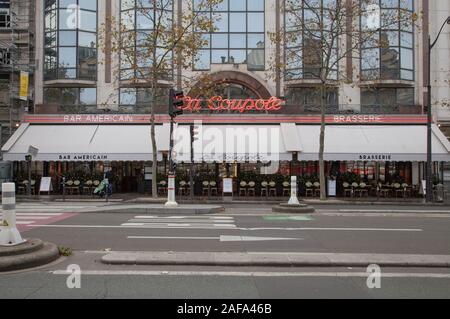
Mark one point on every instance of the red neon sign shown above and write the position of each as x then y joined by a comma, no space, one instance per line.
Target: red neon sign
218,103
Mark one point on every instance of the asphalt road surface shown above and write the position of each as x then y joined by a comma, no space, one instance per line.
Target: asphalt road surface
251,229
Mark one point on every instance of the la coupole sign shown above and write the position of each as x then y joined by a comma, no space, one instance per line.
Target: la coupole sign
218,103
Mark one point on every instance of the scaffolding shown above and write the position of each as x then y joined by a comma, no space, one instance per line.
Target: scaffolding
17,40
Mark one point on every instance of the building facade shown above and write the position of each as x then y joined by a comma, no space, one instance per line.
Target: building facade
373,96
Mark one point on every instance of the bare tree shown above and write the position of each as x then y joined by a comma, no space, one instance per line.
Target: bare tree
330,32
149,57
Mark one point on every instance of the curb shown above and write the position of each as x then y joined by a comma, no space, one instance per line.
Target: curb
47,254
275,260
156,209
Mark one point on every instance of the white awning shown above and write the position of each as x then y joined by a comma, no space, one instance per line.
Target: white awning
384,143
240,143
86,143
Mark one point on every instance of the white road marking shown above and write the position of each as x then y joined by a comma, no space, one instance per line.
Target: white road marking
222,238
180,238
232,228
32,217
249,274
24,222
39,214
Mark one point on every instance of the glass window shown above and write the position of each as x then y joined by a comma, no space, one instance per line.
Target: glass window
88,96
304,56
67,38
128,96
239,29
139,18
87,39
386,100
88,21
67,57
394,43
308,100
70,45
88,5
237,5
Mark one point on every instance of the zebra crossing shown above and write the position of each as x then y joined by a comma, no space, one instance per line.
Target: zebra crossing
189,222
27,221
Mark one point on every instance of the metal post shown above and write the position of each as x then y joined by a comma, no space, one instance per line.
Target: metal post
429,177
64,188
29,179
171,185
9,235
191,171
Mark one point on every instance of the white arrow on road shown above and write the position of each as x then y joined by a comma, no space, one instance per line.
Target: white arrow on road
221,238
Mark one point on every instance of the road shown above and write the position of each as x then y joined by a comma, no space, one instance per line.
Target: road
239,229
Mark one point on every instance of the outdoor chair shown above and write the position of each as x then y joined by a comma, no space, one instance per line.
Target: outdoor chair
286,189
76,187
162,188
22,188
213,188
87,187
182,190
264,189
243,189
347,189
406,190
251,189
363,191
69,187
398,190
272,189
309,189
317,189
205,189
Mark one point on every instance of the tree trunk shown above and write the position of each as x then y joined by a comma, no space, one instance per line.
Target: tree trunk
154,148
323,192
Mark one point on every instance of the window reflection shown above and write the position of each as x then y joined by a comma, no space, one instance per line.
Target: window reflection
70,40
388,54
304,39
238,35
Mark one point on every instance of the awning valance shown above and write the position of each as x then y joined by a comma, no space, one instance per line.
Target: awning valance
383,143
84,143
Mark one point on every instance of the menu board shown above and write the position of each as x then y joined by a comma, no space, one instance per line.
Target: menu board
46,185
228,185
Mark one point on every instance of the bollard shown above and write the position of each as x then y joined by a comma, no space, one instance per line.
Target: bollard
293,200
171,192
9,235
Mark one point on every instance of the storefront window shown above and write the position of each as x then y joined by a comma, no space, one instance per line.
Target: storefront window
308,100
238,36
70,40
72,100
388,53
306,34
387,100
139,19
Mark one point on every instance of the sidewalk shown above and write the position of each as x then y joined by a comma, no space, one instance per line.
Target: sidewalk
275,259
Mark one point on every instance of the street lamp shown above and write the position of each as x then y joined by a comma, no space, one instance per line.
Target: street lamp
429,188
